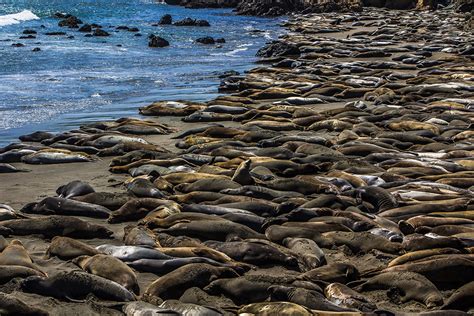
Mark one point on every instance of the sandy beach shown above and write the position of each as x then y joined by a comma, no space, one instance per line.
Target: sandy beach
399,120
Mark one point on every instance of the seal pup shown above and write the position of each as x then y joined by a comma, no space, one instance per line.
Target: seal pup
68,248
74,188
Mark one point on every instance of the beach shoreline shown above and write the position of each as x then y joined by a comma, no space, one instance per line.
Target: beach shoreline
269,88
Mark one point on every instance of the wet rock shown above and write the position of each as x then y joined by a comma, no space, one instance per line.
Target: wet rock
100,32
166,19
192,22
86,28
55,33
206,40
71,22
157,41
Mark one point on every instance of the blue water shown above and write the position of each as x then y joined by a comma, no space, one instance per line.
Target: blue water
72,81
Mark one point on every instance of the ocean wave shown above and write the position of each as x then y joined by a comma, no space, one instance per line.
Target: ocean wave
16,18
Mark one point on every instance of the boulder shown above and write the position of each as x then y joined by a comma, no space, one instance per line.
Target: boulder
156,41
71,22
166,19
191,22
86,28
99,32
206,40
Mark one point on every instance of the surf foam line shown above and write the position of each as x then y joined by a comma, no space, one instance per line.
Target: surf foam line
16,18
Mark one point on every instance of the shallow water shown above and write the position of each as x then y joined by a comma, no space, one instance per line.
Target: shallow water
73,81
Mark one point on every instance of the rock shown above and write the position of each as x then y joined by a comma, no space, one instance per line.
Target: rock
60,15
279,48
55,33
100,32
156,41
86,28
36,49
229,73
206,40
27,32
71,22
191,22
166,19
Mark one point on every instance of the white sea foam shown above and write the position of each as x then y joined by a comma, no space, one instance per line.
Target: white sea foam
16,18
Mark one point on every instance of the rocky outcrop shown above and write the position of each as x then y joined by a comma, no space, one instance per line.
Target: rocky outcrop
198,4
156,41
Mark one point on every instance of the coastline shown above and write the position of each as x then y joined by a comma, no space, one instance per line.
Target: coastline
306,74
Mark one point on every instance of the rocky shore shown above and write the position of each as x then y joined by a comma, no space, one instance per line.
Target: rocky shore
335,178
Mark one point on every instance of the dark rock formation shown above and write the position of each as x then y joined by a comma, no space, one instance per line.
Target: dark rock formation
86,28
156,41
99,32
206,40
71,22
166,19
191,22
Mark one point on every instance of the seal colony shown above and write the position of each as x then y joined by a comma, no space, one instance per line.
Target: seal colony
335,180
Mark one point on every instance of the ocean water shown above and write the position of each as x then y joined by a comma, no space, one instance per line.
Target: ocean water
76,80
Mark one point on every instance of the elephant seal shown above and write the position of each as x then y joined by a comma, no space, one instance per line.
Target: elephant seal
275,308
8,273
10,305
132,253
110,268
15,254
7,168
189,309
242,174
56,225
69,248
412,286
462,298
308,298
76,285
203,251
221,230
213,185
173,284
112,201
241,290
334,272
441,271
344,296
421,254
308,252
139,236
140,308
62,206
139,208
161,267
141,187
74,188
253,253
